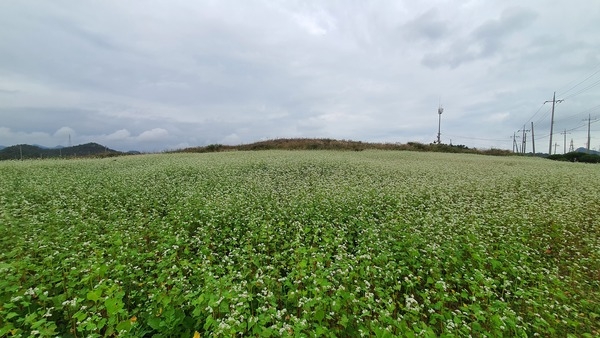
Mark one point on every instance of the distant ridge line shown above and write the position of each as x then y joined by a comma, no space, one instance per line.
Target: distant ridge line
27,151
331,144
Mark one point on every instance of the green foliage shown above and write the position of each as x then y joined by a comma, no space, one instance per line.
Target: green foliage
344,145
297,244
576,157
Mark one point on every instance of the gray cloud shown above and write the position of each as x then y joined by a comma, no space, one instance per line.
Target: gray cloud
162,75
485,41
428,26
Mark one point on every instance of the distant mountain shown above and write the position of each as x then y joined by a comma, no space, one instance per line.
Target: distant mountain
584,150
26,151
40,146
44,147
2,147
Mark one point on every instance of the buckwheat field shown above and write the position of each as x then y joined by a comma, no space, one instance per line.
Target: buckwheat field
299,244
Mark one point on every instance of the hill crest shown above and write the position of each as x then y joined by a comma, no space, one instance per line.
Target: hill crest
27,151
331,144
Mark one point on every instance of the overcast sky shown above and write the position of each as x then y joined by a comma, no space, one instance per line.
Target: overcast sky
156,75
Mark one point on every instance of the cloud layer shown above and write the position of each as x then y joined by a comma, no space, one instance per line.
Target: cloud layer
161,75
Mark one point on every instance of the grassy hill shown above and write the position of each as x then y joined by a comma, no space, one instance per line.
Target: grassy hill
330,144
26,151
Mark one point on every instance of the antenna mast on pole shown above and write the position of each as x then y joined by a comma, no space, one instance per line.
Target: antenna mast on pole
440,111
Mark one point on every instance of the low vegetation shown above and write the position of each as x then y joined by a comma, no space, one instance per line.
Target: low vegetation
298,244
330,144
576,157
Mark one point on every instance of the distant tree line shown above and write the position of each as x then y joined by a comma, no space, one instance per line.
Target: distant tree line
331,144
576,156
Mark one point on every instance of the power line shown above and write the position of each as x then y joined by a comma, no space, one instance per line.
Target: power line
582,81
574,90
476,138
544,116
576,115
578,127
584,89
536,112
542,137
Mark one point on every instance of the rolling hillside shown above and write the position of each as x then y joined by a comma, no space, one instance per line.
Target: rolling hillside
26,151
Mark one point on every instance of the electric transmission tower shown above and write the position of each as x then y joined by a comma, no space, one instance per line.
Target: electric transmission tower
571,148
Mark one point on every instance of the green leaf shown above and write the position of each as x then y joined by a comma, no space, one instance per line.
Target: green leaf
11,315
344,321
124,325
94,295
155,322
266,332
319,315
113,305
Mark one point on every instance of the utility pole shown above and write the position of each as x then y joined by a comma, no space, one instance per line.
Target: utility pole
524,145
589,119
515,145
532,139
554,101
565,142
588,140
555,145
